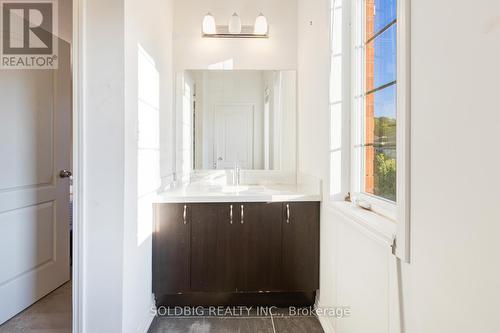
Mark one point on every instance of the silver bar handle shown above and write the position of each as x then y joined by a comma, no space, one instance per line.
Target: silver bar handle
231,214
242,214
184,214
287,213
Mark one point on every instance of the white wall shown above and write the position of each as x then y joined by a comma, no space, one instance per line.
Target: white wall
455,198
451,284
191,51
313,125
102,174
148,117
127,70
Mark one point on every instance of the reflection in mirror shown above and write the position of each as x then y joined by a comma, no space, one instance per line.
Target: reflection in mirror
234,118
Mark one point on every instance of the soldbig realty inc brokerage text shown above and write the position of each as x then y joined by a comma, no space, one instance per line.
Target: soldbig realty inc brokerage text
249,311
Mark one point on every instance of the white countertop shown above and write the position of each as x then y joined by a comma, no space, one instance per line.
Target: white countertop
244,193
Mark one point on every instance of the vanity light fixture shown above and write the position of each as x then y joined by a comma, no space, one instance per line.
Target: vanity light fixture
260,27
235,29
234,25
209,27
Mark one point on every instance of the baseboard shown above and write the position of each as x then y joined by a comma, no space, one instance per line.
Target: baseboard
149,320
280,299
326,323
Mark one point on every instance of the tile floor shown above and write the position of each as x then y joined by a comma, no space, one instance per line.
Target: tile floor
51,314
281,323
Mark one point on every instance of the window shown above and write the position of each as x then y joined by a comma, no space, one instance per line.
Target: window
369,107
377,142
374,113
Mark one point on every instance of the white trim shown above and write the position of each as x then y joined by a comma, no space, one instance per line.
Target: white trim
150,318
147,324
356,90
403,129
341,174
78,103
326,324
376,227
378,204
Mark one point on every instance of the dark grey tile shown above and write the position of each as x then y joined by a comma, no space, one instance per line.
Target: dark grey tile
241,325
218,312
178,325
211,325
294,311
297,325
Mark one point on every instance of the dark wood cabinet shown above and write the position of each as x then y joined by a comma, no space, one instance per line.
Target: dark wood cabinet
228,249
300,268
261,247
204,220
235,248
171,249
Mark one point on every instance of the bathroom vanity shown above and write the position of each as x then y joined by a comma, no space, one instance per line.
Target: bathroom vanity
252,249
218,240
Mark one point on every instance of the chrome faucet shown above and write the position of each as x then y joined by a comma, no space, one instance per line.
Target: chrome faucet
236,174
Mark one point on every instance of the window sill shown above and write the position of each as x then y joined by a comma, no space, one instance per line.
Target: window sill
369,222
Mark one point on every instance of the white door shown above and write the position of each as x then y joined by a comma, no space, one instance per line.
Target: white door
234,136
35,141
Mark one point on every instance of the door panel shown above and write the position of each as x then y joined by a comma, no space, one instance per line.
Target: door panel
234,128
229,248
171,251
301,246
35,144
37,224
204,219
261,239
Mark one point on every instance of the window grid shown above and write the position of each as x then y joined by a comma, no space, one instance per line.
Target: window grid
378,145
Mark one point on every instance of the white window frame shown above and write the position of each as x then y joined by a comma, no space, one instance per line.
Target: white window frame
352,110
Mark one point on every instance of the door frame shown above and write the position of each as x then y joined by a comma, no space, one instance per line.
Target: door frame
77,154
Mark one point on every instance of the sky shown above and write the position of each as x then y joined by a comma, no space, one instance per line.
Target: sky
385,58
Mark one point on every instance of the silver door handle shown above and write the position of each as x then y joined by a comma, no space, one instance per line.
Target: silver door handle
242,214
65,173
184,214
231,214
287,213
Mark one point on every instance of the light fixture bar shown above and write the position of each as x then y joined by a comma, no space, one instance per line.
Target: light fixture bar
247,31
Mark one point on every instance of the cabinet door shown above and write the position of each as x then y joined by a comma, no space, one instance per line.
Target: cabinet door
229,248
171,248
204,219
261,241
300,246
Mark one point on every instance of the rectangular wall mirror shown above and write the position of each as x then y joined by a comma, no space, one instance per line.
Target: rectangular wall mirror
226,118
